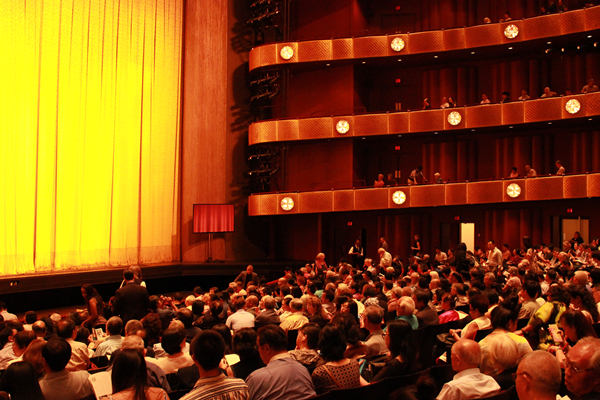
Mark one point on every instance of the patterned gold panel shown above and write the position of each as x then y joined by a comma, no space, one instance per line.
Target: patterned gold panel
593,185
592,18
426,42
427,196
454,39
426,121
287,129
575,187
254,58
315,50
540,27
376,124
484,192
544,188
315,128
316,202
392,190
343,200
342,48
512,113
398,122
592,104
372,46
371,199
456,193
268,55
254,205
543,110
268,204
485,115
483,35
571,22
522,188
263,132
462,111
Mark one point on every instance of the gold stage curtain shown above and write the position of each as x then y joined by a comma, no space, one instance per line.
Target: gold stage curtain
90,133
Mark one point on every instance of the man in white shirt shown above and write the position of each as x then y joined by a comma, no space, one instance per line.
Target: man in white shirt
240,318
494,255
297,319
114,327
440,256
5,314
173,341
80,357
385,258
469,382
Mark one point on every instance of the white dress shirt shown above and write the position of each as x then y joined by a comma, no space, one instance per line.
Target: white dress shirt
468,384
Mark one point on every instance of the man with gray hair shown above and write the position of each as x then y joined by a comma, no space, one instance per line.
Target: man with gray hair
268,315
538,376
296,320
582,372
469,382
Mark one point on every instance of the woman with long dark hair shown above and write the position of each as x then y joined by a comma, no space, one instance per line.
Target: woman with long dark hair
21,382
400,340
95,307
129,378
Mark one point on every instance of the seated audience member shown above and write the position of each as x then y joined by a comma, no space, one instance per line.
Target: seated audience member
244,345
208,349
484,99
186,317
524,95
5,314
582,371
405,308
514,173
560,169
415,177
590,86
80,357
425,314
500,359
426,104
114,327
156,376
487,20
445,103
283,378
375,342
95,307
447,306
338,372
30,318
451,102
240,317
21,382
296,319
268,315
129,378
575,326
528,294
538,377
173,342
505,18
379,182
33,355
504,322
20,342
548,92
529,172
39,329
315,311
401,341
437,178
581,299
58,383
307,346
505,97
478,306
134,327
469,382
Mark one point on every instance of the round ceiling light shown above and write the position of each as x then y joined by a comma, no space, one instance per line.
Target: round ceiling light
286,52
399,197
287,203
397,44
513,190
511,31
342,127
573,106
454,118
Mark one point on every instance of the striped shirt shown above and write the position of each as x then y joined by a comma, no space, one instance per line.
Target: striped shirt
218,388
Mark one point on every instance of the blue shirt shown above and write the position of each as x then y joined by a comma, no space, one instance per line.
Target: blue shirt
282,379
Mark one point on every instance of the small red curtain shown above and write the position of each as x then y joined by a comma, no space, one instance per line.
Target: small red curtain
210,218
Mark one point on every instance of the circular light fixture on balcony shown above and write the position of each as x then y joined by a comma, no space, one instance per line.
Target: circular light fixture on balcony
573,106
286,52
511,31
397,44
342,127
287,203
454,118
513,190
399,197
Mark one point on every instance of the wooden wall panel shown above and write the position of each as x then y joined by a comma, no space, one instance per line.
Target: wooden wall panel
427,196
575,186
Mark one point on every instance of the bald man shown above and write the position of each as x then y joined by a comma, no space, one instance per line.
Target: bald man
580,278
538,376
582,372
469,382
